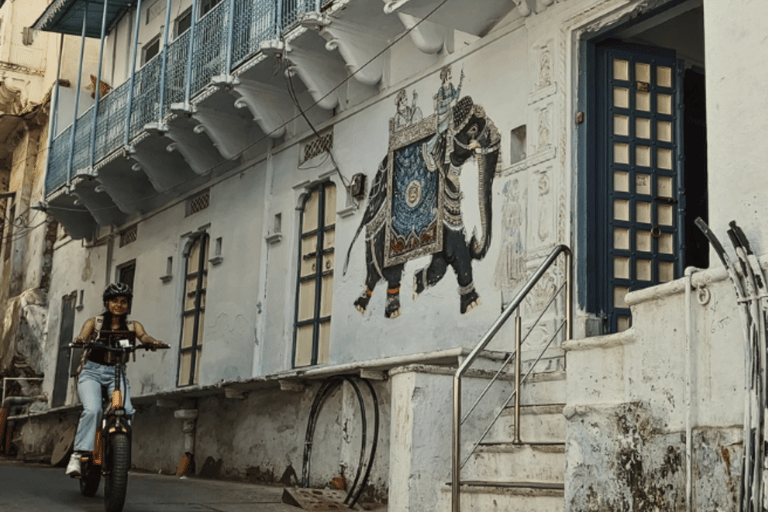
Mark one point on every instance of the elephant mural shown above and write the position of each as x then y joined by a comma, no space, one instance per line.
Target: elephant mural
414,204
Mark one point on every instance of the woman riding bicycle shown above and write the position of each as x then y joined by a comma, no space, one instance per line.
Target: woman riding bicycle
97,369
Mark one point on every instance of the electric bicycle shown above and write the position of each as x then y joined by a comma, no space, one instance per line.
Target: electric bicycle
111,456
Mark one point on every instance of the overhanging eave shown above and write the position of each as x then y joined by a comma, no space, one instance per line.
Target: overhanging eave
66,16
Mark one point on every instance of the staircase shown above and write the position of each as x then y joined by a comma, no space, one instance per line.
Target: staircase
504,476
516,468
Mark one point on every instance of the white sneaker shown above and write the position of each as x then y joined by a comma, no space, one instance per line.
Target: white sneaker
73,468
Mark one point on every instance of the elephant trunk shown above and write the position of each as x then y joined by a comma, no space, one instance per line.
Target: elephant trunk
487,160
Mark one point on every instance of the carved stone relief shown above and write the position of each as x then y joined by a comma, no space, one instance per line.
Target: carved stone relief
510,269
544,141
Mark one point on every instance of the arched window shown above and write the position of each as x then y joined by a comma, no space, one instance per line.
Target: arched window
193,310
314,296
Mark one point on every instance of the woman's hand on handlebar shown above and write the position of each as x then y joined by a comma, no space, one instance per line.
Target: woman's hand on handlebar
153,345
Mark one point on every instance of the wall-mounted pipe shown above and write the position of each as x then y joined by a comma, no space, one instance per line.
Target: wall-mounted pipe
189,417
689,387
6,427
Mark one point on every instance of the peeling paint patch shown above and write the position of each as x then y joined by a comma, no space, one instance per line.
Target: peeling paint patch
620,459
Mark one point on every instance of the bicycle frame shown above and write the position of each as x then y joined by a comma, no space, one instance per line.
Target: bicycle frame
113,417
111,456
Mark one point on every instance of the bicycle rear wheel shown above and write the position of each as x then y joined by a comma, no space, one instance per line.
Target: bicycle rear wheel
90,479
117,463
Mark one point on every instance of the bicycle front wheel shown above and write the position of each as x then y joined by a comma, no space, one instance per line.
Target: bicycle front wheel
117,462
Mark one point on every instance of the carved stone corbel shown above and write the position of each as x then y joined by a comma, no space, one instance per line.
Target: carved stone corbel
231,135
320,72
524,7
195,148
95,199
270,106
428,37
357,45
165,170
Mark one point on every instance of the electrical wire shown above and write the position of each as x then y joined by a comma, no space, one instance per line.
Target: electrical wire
282,126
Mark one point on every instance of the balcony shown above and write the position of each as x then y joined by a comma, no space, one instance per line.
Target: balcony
214,97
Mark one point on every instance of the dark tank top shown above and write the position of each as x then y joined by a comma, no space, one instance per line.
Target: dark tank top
101,356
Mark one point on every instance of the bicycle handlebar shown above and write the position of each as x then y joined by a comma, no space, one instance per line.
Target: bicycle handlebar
126,349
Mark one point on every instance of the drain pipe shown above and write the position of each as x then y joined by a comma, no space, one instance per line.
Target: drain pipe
689,271
189,417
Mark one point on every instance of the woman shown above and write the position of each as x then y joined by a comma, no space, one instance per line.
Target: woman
97,371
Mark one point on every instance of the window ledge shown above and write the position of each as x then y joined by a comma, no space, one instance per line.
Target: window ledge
166,279
274,238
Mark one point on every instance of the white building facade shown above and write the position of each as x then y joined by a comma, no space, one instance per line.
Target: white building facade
262,173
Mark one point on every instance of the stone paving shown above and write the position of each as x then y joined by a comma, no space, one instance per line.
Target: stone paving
41,488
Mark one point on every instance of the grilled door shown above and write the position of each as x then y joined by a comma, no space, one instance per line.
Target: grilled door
639,174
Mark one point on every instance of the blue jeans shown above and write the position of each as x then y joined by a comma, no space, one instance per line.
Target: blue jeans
89,384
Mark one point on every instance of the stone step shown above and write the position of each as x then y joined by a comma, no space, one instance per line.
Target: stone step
543,423
543,388
506,497
509,462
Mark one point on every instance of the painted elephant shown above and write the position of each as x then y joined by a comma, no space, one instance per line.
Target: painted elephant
472,134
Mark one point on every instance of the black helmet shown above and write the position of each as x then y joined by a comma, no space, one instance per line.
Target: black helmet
117,290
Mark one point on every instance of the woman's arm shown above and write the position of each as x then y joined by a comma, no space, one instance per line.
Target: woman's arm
142,335
86,331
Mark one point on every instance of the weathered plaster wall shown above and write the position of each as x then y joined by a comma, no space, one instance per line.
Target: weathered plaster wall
261,438
627,399
421,432
735,113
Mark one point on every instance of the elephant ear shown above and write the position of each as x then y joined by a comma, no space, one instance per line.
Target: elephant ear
376,198
377,194
462,112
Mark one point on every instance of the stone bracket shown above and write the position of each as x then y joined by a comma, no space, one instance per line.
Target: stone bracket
194,147
161,168
357,45
230,134
320,72
271,106
98,203
428,37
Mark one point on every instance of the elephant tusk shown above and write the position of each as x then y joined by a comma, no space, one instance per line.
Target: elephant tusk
474,146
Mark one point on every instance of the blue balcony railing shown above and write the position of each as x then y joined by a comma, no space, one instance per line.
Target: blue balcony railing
249,22
110,123
146,96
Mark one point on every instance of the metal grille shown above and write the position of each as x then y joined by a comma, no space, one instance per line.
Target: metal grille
57,161
641,176
129,236
110,125
146,95
176,71
82,157
254,22
318,146
198,203
209,58
293,9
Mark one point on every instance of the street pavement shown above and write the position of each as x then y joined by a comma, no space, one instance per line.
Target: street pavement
41,488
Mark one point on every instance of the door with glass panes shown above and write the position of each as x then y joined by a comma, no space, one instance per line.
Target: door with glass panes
638,226
314,295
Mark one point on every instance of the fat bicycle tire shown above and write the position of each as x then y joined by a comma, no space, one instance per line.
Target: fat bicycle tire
90,480
118,461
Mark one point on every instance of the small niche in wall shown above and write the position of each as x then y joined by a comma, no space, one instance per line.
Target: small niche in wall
217,257
517,145
168,270
276,233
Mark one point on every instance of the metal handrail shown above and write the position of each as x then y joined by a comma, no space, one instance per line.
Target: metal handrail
456,463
